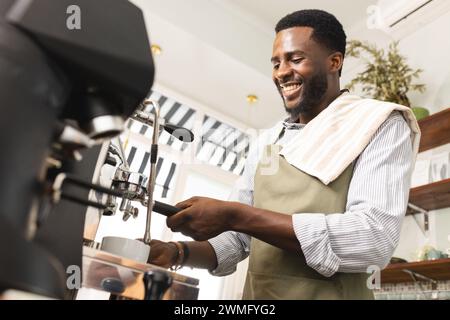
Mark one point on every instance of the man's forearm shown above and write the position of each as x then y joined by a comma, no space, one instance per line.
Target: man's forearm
269,226
205,218
201,255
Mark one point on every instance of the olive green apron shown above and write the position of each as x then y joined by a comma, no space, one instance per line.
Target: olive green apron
274,273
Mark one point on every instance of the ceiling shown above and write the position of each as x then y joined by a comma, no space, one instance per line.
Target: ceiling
268,12
217,52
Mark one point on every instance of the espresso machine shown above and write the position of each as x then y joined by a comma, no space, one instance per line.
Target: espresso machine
65,90
124,189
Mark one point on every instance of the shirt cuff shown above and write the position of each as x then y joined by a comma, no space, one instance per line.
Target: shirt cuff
225,263
312,233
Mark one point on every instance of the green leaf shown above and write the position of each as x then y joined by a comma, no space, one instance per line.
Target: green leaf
386,76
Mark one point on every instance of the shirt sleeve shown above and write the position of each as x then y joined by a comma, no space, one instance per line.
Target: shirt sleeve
368,232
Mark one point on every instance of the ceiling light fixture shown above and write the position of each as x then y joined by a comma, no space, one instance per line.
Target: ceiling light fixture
156,50
251,98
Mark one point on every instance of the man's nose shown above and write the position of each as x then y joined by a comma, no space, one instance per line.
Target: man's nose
284,71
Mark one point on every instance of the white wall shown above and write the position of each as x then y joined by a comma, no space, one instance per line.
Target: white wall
427,48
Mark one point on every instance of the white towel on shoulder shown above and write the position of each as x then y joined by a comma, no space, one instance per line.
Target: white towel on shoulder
333,139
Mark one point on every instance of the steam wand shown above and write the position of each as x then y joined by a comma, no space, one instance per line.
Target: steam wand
152,176
165,209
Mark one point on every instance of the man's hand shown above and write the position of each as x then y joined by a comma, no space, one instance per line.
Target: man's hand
202,218
163,254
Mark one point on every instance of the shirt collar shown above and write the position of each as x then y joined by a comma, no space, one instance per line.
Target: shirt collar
289,125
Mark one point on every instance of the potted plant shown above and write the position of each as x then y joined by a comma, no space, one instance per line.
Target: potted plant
387,76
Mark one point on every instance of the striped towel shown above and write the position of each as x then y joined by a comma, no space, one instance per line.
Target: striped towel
329,143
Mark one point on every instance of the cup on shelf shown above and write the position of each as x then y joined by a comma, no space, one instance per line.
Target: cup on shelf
421,173
434,254
440,166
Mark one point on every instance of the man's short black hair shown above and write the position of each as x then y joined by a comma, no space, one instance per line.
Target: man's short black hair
328,31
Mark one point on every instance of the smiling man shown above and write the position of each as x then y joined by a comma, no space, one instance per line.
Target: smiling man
334,205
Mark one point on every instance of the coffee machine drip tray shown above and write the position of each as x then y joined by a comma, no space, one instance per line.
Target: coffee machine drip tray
128,279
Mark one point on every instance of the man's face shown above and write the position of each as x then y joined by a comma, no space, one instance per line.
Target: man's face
299,70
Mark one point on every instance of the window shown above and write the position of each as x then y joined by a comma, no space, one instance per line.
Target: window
223,146
200,184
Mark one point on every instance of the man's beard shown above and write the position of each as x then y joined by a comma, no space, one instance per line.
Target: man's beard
313,92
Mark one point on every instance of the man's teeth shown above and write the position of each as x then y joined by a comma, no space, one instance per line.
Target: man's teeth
290,87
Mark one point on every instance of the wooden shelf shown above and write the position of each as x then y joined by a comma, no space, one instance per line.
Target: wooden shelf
435,130
431,196
435,269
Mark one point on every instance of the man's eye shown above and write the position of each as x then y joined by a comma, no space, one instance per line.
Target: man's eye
297,60
276,66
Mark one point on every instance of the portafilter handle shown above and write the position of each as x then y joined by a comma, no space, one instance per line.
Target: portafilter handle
165,209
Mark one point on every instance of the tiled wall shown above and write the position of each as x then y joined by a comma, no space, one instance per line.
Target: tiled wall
420,290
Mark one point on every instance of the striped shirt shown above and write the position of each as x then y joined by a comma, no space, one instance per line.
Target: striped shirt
366,234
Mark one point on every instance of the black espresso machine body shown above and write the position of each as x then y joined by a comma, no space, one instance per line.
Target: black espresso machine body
57,77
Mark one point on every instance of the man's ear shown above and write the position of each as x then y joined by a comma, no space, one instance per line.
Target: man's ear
335,61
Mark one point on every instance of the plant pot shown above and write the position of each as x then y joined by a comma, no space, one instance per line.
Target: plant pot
420,112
